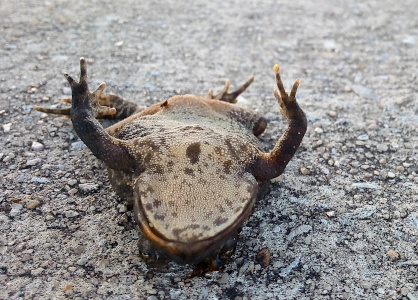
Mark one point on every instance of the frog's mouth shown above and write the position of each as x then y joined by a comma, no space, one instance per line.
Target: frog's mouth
192,243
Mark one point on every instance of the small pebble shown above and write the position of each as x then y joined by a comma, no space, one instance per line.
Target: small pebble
224,279
363,137
363,185
330,213
72,182
392,254
36,272
7,127
82,261
332,113
153,291
33,162
16,208
382,147
32,204
263,257
71,214
298,231
36,146
67,288
277,179
391,175
73,191
304,171
88,187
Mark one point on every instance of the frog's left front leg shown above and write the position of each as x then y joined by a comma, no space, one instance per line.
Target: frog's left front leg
271,165
124,108
115,153
112,106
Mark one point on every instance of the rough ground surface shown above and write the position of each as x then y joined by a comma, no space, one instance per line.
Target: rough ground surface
341,224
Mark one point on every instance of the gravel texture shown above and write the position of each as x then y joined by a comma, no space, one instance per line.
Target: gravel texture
342,223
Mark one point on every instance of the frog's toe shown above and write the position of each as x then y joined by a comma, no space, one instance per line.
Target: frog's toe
230,97
286,101
57,111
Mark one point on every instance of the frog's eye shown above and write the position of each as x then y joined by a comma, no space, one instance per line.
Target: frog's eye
150,256
145,255
227,254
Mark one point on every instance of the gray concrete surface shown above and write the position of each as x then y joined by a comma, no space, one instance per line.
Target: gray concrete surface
341,224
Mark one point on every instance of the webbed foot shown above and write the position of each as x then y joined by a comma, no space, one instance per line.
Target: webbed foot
230,97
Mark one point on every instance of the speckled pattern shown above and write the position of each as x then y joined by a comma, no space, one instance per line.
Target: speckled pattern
191,150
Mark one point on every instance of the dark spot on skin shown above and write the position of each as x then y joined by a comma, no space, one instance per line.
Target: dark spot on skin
219,221
174,214
232,149
156,203
193,152
159,217
145,144
158,170
221,209
229,203
177,232
188,171
238,209
206,227
148,206
208,215
227,166
194,226
243,148
147,158
170,165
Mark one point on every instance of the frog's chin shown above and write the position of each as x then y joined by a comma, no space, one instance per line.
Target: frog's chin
194,251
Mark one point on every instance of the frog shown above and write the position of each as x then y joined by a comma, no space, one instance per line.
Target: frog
191,166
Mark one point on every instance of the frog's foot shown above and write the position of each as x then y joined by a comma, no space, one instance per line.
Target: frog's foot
97,100
229,97
286,102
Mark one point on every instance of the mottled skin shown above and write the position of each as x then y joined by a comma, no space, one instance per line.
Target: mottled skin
190,165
